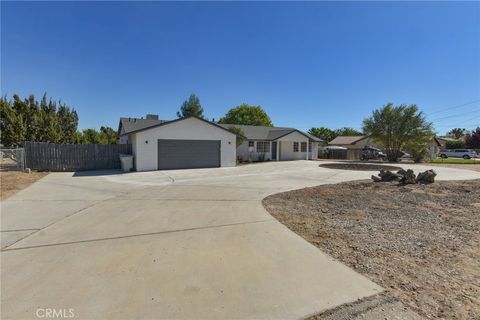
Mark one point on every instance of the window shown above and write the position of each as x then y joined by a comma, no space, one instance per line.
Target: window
303,147
263,146
251,143
310,147
295,147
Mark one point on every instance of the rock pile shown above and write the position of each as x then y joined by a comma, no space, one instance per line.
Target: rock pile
405,176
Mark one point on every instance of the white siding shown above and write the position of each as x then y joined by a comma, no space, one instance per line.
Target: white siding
314,154
250,153
286,146
146,153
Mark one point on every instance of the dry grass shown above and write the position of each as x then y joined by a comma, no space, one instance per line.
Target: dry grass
12,182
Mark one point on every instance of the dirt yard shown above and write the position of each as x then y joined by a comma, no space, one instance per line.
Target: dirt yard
421,243
13,181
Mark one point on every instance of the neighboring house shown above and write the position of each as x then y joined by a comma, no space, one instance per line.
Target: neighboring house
192,142
434,147
188,142
276,143
351,142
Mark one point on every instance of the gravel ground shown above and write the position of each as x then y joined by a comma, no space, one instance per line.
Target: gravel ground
421,243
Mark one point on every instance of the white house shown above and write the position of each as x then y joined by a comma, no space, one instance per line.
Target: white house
193,142
276,143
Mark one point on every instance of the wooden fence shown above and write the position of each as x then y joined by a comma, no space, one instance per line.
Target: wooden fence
73,157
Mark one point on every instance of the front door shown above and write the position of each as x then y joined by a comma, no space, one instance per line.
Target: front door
274,150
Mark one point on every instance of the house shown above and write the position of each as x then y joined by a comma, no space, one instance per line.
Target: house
351,142
193,142
189,142
276,143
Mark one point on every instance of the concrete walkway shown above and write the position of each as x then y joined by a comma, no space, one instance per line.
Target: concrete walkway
177,244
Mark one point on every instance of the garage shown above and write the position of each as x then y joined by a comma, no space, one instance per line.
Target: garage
183,143
183,154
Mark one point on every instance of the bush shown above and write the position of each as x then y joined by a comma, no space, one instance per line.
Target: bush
261,157
455,144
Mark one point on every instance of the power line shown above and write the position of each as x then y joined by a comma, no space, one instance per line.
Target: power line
458,115
453,107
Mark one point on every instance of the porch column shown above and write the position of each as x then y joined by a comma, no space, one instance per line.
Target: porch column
308,143
278,150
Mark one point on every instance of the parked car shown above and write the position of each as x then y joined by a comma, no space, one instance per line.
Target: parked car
458,153
371,153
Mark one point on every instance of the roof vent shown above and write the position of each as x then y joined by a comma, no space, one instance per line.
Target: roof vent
152,117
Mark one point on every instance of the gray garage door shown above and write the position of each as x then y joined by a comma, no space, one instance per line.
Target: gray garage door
184,154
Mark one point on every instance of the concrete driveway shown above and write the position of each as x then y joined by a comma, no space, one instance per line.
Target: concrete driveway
177,244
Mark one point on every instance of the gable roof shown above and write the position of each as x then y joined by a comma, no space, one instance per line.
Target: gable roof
143,126
342,140
268,133
134,124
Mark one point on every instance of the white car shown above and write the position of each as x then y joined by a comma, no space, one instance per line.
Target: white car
458,153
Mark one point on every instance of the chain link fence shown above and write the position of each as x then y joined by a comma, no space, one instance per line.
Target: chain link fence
12,159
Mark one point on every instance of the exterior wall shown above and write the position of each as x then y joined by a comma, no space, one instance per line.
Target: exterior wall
123,138
250,153
286,146
314,153
146,154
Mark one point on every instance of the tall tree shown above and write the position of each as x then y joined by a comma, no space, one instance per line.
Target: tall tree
68,122
395,127
191,107
347,131
323,133
12,126
108,135
472,139
245,114
457,133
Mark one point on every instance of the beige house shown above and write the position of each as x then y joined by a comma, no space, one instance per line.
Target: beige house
351,142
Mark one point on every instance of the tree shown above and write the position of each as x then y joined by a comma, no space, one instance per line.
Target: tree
323,133
191,107
68,122
239,132
245,114
455,144
457,133
108,135
347,131
395,127
12,126
472,139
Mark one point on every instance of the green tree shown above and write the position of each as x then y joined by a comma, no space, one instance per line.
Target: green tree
90,136
323,133
245,114
395,127
191,107
239,132
347,131
12,125
457,133
108,135
68,122
455,144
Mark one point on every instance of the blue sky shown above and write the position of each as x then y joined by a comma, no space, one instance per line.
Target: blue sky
307,64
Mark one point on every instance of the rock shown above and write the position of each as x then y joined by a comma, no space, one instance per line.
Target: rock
408,177
426,176
388,175
376,179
